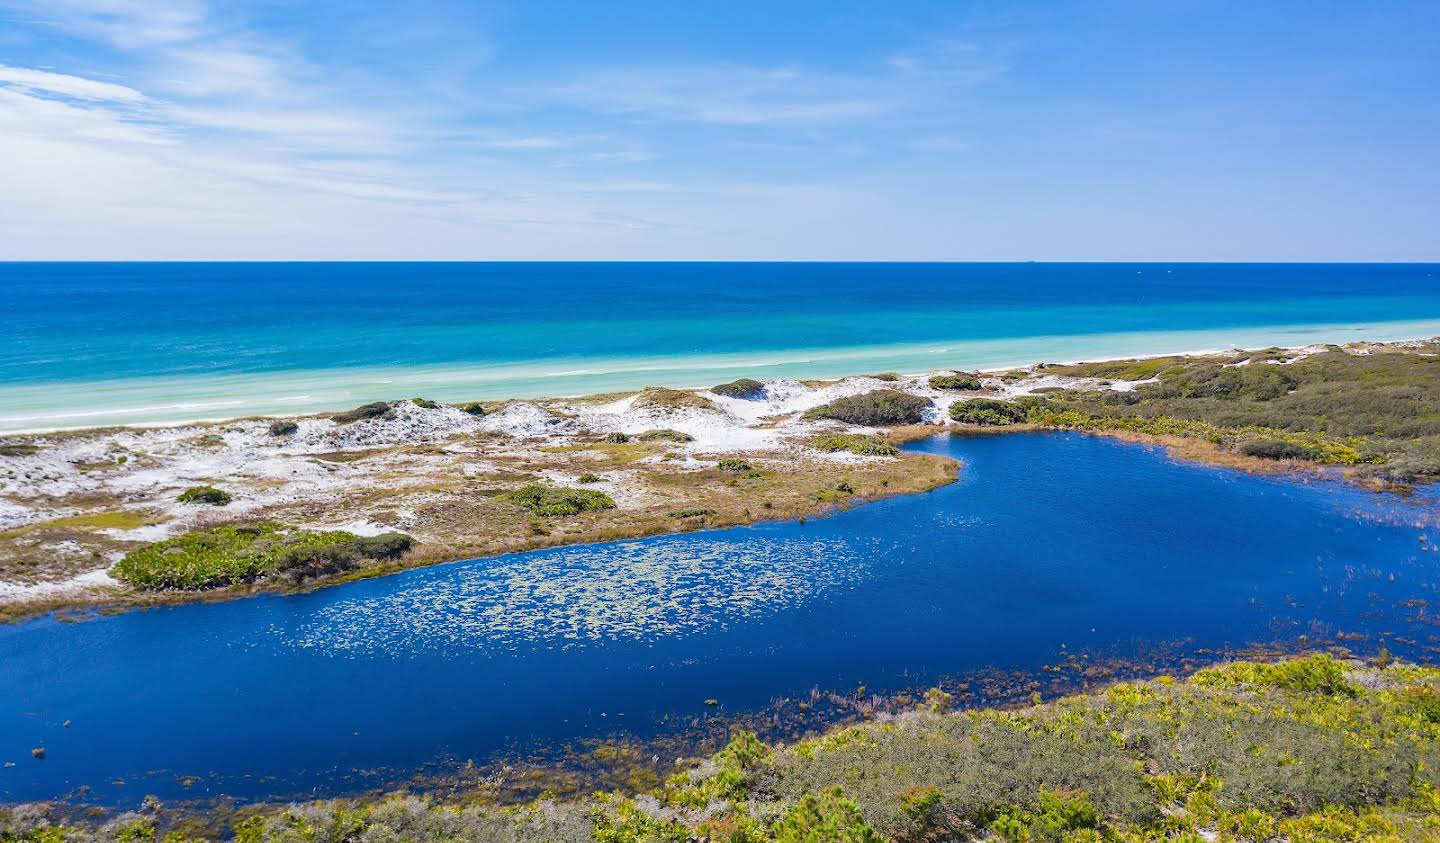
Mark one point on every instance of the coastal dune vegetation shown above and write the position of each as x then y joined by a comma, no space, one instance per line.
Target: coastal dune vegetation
1309,750
878,408
244,553
1375,413
472,482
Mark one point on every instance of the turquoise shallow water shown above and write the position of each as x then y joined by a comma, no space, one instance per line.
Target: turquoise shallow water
96,344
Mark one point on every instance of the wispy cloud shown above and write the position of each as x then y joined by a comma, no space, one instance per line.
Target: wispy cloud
187,117
123,23
28,79
725,95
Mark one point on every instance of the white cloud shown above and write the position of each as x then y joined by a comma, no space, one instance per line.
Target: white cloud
726,95
67,86
123,23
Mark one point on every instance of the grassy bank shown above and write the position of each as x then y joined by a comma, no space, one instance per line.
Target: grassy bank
1375,415
1310,749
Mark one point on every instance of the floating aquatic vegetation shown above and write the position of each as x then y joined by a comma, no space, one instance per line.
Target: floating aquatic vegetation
570,596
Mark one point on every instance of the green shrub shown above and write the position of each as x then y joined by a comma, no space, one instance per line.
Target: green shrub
826,818
384,546
733,464
424,403
617,438
589,477
374,410
1278,449
204,495
283,427
988,412
1317,674
231,554
959,380
474,408
555,502
874,409
856,443
670,400
307,562
220,556
742,388
888,377
664,435
694,512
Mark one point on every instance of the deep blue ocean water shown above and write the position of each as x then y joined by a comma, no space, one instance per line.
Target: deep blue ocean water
103,343
1048,543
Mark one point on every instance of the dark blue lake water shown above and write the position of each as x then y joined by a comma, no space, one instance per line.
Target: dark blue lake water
1048,541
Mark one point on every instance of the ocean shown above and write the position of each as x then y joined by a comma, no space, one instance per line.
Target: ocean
89,344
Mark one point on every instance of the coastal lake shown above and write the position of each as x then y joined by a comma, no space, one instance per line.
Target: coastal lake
1048,544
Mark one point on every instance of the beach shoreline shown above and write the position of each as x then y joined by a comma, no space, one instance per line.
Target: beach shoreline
317,391
89,496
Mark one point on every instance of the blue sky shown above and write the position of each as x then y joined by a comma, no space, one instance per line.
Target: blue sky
184,129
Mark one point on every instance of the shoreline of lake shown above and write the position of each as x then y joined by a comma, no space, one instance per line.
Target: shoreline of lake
561,437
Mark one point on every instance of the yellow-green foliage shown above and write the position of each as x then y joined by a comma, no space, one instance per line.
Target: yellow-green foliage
221,555
1120,370
553,502
855,443
1250,439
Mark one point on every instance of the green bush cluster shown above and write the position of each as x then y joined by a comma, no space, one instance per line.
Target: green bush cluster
959,380
735,464
208,495
664,435
878,408
557,502
989,412
856,443
693,512
617,438
424,403
474,408
231,554
742,388
373,410
589,477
